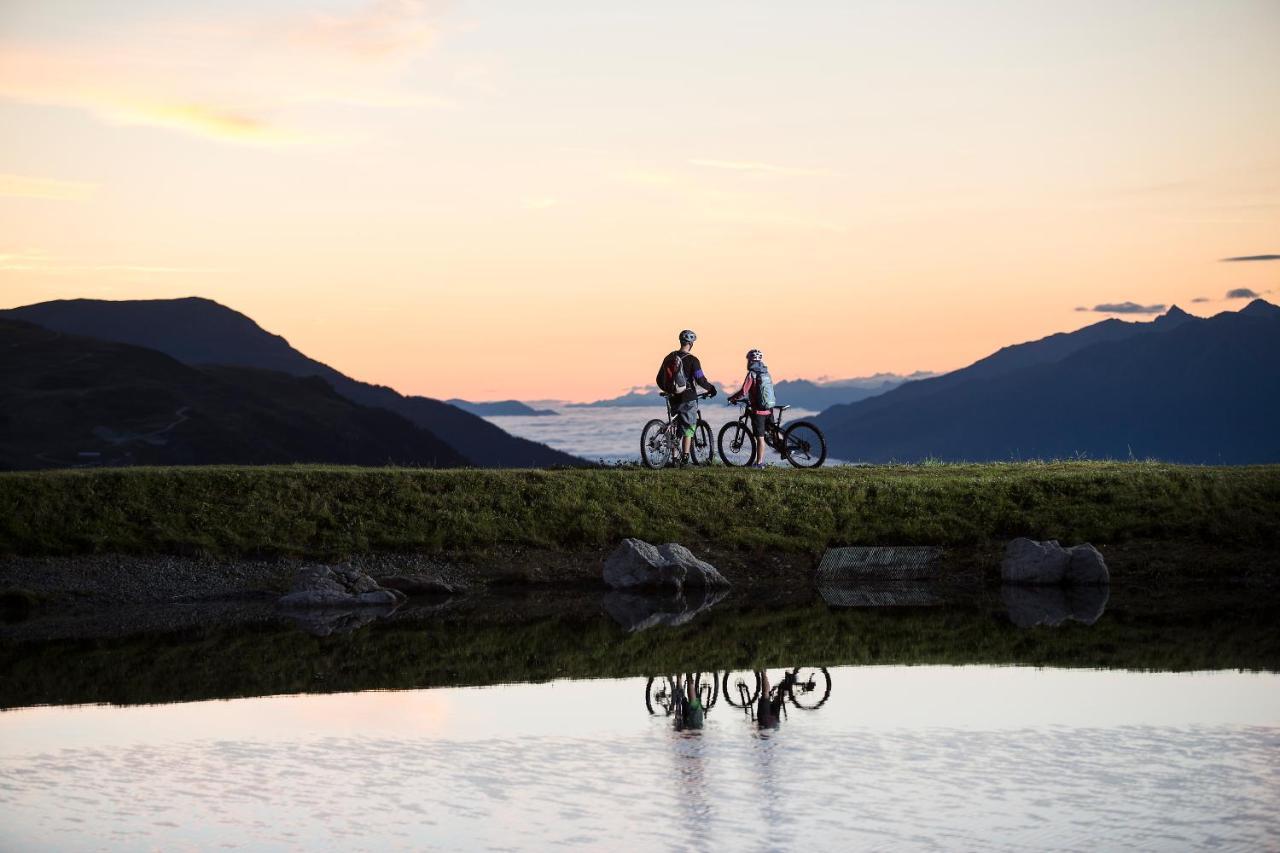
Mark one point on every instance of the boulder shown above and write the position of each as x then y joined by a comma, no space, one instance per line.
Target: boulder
1086,566
635,564
1028,561
638,611
337,586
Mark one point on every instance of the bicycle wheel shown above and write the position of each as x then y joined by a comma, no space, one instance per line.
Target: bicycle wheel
805,445
737,444
703,449
659,694
810,687
708,689
655,445
741,689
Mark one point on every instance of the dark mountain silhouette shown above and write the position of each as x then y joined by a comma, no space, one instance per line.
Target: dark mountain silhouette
801,393
200,332
500,408
71,400
1178,388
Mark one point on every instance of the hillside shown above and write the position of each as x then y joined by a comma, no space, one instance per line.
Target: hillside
199,331
1178,389
68,400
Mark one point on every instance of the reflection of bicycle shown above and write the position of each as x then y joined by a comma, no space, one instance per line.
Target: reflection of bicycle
660,440
807,687
802,444
660,692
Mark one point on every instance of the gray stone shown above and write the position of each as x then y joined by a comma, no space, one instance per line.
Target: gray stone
337,586
1031,562
635,564
1086,566
1049,606
696,572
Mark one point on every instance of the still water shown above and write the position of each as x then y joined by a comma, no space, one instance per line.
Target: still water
928,758
612,433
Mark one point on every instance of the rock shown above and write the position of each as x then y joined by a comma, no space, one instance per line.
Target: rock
696,572
337,586
1028,561
1086,566
1053,606
638,611
635,564
420,585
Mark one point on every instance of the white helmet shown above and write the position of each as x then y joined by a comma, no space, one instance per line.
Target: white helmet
754,355
687,337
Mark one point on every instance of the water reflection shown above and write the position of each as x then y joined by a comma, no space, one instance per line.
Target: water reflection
1051,606
639,611
762,697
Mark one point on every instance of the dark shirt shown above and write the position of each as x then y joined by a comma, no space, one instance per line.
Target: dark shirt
692,373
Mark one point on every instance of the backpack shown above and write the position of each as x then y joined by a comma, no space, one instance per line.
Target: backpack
765,383
671,375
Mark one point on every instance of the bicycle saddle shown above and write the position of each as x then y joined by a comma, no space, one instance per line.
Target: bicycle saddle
783,408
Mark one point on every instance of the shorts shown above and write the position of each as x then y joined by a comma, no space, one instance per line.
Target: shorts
687,415
760,424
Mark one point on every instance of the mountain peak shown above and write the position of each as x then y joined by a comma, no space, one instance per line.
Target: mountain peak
1175,316
1260,308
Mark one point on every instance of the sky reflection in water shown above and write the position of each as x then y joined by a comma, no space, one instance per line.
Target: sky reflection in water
899,757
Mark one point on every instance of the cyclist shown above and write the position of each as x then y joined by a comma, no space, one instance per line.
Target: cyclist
757,390
677,376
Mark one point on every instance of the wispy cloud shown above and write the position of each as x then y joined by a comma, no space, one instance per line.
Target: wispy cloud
762,168
1124,308
1251,258
234,82
1201,299
1242,293
24,186
42,263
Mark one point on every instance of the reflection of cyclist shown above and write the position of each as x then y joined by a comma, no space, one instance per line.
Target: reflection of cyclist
677,375
769,708
689,711
757,390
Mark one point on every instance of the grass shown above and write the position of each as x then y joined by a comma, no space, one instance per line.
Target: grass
325,512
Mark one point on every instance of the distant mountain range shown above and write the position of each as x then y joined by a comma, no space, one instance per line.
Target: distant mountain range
67,400
201,332
1178,388
500,408
801,393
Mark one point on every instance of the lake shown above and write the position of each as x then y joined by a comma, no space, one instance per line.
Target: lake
612,433
525,721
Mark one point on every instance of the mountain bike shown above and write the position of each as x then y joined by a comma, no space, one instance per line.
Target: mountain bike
660,692
807,687
660,440
802,444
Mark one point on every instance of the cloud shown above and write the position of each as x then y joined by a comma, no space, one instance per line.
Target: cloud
23,186
1200,299
761,168
1251,258
243,81
1124,308
1242,293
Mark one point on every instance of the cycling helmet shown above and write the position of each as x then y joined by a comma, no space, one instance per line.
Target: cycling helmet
755,355
687,337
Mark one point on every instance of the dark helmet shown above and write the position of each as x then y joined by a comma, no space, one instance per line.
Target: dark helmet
687,337
754,355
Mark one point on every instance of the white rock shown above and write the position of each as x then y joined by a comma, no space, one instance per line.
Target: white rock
337,586
635,564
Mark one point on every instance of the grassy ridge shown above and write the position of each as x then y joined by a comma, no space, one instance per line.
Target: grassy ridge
328,511
473,646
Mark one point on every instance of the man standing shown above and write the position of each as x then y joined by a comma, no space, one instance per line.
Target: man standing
677,376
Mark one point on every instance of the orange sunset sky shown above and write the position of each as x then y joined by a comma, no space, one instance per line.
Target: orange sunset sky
529,199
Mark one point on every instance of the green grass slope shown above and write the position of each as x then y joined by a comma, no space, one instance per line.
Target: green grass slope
331,511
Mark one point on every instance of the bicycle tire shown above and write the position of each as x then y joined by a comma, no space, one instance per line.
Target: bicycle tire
739,437
741,688
655,441
651,698
709,684
703,449
806,446
817,683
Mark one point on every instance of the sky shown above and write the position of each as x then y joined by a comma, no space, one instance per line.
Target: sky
509,199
